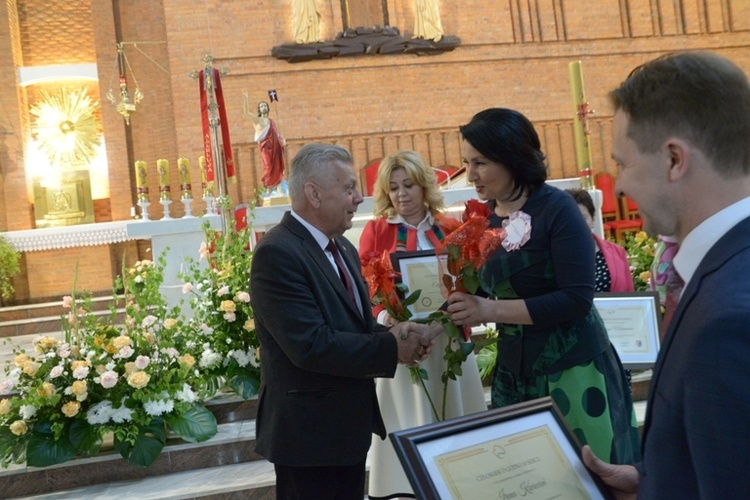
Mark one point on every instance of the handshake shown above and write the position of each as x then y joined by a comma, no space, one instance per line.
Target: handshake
415,341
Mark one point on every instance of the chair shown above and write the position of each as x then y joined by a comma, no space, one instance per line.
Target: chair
628,208
446,173
613,224
606,184
370,173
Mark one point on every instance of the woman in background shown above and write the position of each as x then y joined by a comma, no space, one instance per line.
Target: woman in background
407,218
612,269
540,283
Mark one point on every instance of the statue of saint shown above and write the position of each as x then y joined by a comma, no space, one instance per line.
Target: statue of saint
427,23
271,145
306,21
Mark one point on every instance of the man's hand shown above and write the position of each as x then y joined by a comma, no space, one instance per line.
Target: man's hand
621,479
413,345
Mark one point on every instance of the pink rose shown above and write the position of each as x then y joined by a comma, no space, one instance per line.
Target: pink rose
108,379
142,362
203,251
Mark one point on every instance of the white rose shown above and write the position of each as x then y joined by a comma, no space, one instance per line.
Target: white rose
79,373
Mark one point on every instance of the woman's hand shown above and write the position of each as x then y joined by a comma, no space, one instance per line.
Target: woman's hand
469,310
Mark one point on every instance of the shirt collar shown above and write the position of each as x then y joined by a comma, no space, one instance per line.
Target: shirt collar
316,233
699,241
428,220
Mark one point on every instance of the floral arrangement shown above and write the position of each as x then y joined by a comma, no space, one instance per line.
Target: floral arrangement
469,247
640,249
133,381
219,287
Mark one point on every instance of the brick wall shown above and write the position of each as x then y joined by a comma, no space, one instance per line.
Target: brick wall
512,54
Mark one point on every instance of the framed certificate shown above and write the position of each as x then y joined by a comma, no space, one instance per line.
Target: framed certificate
421,271
633,322
522,450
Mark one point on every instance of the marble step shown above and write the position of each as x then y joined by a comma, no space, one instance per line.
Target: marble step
44,318
49,309
246,481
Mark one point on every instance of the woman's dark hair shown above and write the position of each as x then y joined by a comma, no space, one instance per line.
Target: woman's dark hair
507,137
583,198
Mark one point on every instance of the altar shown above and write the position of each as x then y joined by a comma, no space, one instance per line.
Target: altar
96,246
264,218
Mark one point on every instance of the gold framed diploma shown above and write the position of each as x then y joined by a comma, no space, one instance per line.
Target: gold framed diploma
421,271
633,322
522,450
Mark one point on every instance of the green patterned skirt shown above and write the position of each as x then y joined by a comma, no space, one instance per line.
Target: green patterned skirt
594,399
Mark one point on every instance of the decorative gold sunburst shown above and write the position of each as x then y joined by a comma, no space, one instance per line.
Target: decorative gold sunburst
66,128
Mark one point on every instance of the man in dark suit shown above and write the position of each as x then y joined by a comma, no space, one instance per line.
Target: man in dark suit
681,139
320,347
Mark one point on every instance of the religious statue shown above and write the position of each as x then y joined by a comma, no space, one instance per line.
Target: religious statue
271,145
306,21
427,23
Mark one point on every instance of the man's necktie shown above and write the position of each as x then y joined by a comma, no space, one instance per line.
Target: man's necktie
674,288
343,274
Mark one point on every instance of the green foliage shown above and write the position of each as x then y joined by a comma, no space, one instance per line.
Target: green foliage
9,267
487,356
640,249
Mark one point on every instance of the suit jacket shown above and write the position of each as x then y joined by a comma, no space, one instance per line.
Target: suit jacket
696,439
319,354
618,265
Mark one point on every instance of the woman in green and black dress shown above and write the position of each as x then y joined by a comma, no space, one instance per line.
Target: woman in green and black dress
540,288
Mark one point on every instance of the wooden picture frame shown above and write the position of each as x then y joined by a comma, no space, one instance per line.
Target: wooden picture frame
516,450
421,271
633,322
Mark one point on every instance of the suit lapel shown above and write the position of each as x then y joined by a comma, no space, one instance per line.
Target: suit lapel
736,240
318,256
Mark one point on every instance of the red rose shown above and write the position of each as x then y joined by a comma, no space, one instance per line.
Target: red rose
475,208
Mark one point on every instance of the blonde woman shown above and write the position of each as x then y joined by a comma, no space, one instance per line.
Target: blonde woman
408,218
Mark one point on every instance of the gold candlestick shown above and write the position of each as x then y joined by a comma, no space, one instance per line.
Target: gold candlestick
162,168
183,167
580,125
141,181
206,187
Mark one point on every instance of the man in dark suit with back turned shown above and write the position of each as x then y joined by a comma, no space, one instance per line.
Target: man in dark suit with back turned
681,139
320,347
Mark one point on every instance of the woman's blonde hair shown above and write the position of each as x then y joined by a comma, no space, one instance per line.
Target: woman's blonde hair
418,172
